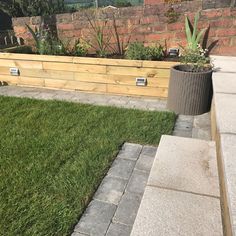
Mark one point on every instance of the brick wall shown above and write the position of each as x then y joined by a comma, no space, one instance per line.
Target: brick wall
147,23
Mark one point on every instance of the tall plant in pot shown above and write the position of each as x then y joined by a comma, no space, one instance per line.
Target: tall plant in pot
190,86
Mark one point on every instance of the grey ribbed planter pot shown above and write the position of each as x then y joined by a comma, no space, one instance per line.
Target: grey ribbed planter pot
189,93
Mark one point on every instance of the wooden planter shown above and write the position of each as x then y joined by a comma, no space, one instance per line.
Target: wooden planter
113,76
189,93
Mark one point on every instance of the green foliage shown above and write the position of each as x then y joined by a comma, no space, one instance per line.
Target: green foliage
193,36
54,156
137,51
193,54
46,43
122,3
99,39
196,59
81,48
18,8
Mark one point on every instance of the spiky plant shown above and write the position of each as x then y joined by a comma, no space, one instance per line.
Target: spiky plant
193,35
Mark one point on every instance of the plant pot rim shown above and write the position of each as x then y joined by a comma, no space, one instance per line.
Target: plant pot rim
175,68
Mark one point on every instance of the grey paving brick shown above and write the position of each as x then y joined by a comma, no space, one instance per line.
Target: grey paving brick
137,104
183,133
184,125
64,95
130,151
78,234
127,209
111,190
149,151
144,163
96,219
137,182
120,102
204,134
121,168
116,229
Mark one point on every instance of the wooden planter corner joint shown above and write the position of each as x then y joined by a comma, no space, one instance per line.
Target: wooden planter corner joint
113,76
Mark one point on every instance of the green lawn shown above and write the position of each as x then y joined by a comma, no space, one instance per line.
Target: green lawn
54,154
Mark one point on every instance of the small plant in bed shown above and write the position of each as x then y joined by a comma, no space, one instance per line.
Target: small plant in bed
137,51
55,154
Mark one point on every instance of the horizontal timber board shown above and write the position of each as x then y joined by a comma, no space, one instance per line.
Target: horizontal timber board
88,60
75,85
133,90
147,72
120,79
85,77
74,67
21,64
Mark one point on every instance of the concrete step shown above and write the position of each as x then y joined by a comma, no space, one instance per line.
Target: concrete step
182,195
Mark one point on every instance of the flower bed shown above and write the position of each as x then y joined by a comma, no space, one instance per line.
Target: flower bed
113,76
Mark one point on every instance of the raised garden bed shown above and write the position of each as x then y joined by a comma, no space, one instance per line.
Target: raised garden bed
113,76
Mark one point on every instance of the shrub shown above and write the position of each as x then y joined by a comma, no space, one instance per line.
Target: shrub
122,3
137,51
81,48
17,8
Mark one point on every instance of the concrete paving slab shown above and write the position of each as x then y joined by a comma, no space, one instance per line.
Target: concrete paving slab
224,63
119,230
228,150
225,106
127,209
166,212
224,82
186,165
96,220
111,190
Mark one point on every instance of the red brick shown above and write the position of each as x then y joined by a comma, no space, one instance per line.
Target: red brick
20,29
65,26
153,2
213,13
176,26
226,32
149,20
227,50
219,23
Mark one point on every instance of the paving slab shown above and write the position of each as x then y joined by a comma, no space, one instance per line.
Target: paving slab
228,150
119,230
78,234
186,165
224,63
149,151
96,220
130,151
121,168
167,212
137,182
127,209
225,106
182,133
224,82
111,190
144,163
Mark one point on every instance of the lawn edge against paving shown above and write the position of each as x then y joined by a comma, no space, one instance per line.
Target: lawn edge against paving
24,117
